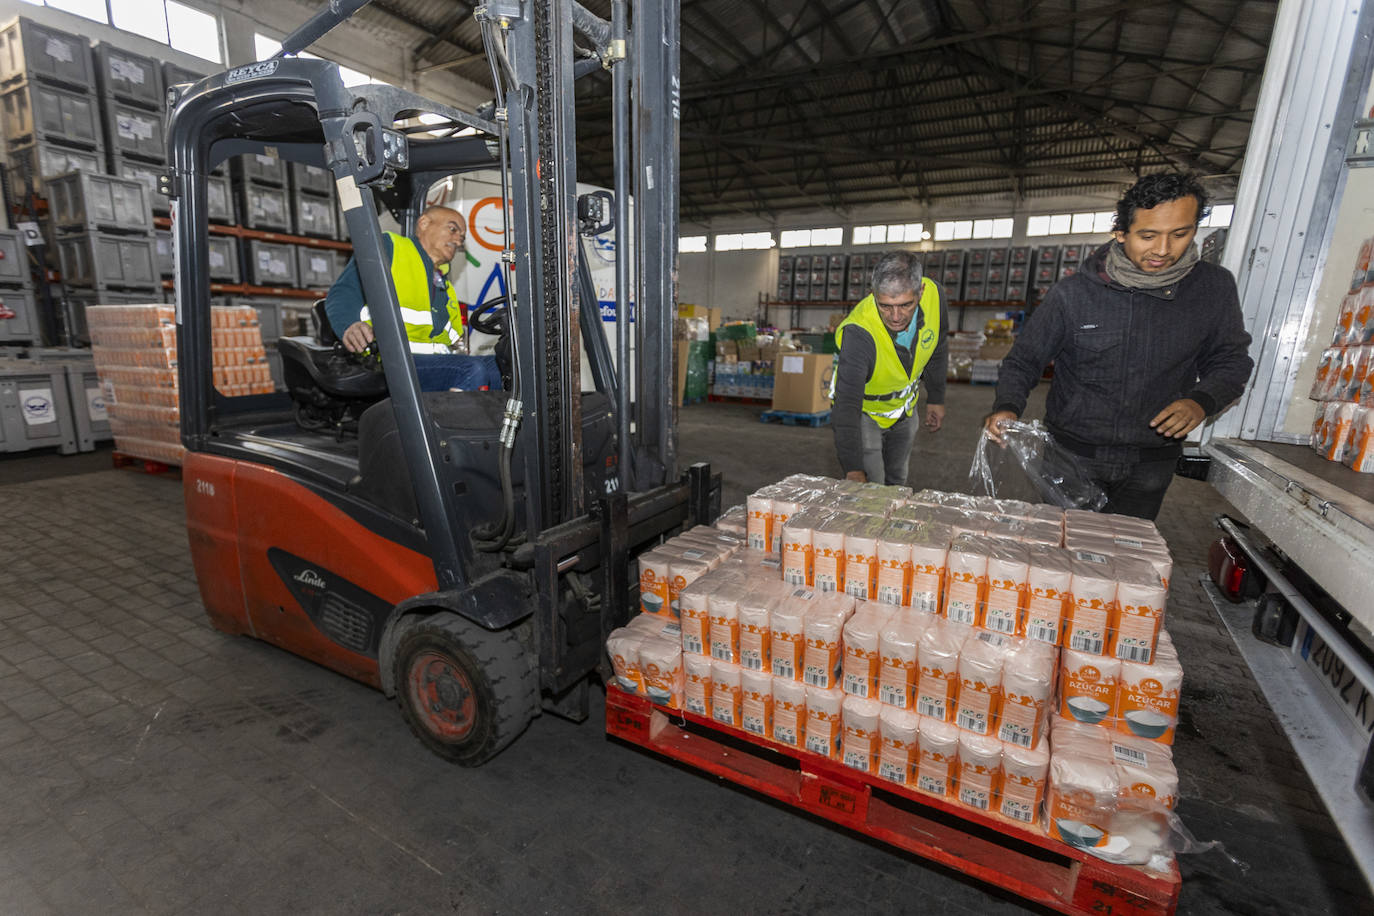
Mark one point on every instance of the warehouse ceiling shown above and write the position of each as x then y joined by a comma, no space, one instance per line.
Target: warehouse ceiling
837,104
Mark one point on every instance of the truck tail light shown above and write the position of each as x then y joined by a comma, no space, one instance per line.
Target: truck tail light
1229,568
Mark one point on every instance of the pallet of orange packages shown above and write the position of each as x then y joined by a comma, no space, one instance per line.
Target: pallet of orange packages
983,846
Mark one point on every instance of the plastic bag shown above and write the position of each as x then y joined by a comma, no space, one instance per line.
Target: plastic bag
1033,460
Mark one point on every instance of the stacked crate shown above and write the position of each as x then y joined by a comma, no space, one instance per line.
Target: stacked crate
1018,273
1046,271
801,278
312,202
856,286
952,274
50,112
131,98
835,278
18,313
995,284
785,267
975,278
103,227
1069,258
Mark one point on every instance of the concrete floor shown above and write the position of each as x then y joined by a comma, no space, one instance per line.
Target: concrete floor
149,764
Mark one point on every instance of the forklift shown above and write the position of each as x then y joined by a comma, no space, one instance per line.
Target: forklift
467,552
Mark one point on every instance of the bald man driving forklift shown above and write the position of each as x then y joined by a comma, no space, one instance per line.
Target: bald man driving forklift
430,310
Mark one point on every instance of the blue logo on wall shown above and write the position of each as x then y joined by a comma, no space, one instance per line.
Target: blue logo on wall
608,310
604,247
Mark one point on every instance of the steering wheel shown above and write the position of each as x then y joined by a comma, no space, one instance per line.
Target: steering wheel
487,318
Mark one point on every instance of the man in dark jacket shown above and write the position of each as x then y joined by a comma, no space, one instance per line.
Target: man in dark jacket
892,340
1146,341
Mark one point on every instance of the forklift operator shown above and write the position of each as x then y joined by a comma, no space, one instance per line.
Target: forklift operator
429,306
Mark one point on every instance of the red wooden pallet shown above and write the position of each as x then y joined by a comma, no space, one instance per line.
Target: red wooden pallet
146,465
988,847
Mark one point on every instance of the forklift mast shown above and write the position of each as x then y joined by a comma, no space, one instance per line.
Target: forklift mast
300,110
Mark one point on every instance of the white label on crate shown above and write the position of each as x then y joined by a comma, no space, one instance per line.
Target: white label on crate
32,234
95,405
133,128
127,70
107,391
216,259
277,266
350,198
267,162
318,265
793,365
36,403
58,49
271,204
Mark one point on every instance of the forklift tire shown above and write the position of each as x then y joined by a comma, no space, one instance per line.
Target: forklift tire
466,692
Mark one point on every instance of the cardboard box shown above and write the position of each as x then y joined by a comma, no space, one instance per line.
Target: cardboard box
727,349
802,382
711,314
748,353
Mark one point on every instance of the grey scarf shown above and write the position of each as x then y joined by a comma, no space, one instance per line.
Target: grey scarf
1123,271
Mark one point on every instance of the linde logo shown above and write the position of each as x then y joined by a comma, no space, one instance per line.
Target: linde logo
310,577
252,71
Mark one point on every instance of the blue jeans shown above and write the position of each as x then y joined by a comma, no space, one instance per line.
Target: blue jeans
442,371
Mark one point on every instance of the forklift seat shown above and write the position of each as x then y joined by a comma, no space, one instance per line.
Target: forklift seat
319,372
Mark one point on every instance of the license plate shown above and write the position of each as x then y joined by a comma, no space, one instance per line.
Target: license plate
1354,698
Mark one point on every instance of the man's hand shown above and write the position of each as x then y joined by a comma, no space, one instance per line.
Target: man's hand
1179,418
935,417
358,336
993,423
860,476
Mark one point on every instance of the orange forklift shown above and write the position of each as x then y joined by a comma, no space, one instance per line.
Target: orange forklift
465,552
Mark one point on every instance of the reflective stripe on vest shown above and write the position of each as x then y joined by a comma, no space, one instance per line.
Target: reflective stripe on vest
413,284
891,391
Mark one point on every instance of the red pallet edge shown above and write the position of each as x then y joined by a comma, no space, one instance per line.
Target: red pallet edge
1080,884
146,465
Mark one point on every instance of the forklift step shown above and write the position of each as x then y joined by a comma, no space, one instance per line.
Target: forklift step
795,419
987,847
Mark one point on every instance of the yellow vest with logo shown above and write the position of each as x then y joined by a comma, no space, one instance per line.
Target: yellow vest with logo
412,284
891,391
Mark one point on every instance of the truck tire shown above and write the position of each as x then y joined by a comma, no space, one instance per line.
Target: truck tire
466,692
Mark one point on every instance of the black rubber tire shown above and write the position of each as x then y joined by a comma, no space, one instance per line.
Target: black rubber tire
497,702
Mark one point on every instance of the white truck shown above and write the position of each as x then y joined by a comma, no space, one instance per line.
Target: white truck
1299,570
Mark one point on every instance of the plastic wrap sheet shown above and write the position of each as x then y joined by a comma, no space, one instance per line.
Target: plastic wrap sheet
1032,462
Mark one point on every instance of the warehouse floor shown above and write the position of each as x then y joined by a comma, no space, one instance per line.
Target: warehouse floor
150,764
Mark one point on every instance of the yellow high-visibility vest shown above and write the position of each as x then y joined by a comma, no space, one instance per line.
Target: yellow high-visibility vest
891,391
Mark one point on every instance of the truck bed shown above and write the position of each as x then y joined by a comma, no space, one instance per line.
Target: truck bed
1318,512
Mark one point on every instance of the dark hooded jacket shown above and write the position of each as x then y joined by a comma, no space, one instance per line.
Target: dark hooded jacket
1121,355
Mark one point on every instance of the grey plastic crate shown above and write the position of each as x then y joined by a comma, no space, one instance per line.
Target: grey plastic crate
84,202
269,318
264,208
39,160
14,260
310,179
271,263
263,169
317,268
31,50
134,132
21,307
224,259
35,409
174,73
146,173
89,415
219,197
129,77
166,257
104,261
37,111
297,318
314,216
76,301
